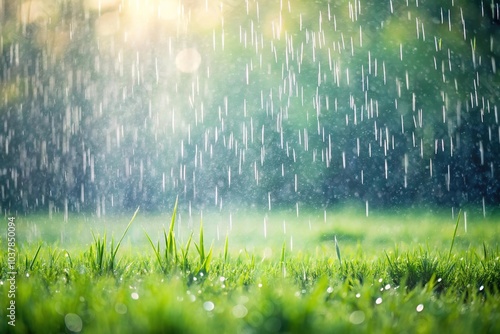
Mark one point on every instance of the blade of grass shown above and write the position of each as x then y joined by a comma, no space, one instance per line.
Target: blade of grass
454,234
32,263
485,251
156,251
115,250
337,249
226,249
171,249
185,252
200,247
389,260
282,259
206,262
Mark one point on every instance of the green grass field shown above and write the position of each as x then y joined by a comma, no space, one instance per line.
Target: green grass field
247,272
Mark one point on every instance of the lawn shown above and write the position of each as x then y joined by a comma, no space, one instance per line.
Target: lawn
247,272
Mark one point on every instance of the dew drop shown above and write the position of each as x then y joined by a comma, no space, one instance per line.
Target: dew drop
357,317
120,308
420,307
378,301
239,311
208,306
73,322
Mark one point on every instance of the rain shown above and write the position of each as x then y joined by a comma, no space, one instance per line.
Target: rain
110,105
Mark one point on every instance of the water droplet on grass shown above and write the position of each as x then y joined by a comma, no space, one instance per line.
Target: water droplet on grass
387,286
420,307
134,295
240,311
120,308
73,322
208,306
378,301
358,295
357,317
481,288
329,290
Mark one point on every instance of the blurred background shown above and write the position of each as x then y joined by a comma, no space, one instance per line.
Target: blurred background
106,105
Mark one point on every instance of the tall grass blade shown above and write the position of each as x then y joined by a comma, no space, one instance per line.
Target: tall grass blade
115,250
206,261
454,234
337,249
156,251
69,258
282,259
226,249
33,260
389,260
485,251
201,247
185,252
170,239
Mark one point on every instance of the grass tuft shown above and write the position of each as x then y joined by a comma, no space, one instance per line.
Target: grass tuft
103,261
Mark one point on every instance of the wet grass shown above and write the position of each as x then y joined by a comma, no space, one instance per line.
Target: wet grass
346,273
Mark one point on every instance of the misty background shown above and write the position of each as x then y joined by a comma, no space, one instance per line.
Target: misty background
109,105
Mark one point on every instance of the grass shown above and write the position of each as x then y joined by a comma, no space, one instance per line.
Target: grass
345,273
